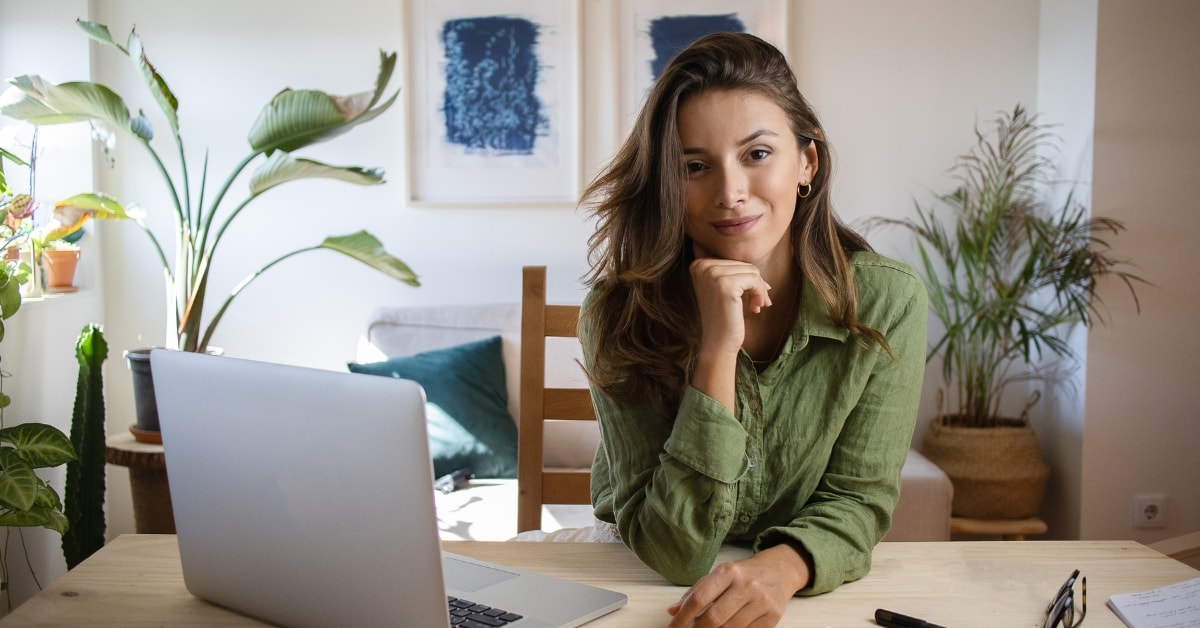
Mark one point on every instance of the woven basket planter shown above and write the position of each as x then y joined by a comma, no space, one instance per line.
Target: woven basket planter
997,472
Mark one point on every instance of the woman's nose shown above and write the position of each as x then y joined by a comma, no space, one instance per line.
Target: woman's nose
733,188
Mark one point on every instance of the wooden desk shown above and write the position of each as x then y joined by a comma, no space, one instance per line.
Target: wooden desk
136,580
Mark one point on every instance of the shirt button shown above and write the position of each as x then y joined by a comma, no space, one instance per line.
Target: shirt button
744,518
753,404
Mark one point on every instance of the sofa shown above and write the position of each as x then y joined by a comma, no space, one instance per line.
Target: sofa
485,509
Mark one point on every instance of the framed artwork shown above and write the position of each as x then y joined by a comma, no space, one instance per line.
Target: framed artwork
651,32
494,102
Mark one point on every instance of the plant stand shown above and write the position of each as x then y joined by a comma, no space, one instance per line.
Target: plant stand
152,511
1007,529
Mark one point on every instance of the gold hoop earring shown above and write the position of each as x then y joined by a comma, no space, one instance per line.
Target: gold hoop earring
807,190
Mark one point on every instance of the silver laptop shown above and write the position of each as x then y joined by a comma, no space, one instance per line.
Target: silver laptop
305,498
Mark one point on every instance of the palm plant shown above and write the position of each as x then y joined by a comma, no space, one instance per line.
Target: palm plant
294,119
1007,274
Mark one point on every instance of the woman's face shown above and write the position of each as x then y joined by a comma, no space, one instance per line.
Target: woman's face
743,165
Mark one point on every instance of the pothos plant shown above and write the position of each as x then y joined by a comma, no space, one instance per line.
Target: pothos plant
292,120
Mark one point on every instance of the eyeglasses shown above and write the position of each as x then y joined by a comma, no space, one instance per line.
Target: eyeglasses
1061,611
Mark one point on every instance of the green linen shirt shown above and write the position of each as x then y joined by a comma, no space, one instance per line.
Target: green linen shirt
812,454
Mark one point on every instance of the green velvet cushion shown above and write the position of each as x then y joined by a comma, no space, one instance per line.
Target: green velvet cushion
467,411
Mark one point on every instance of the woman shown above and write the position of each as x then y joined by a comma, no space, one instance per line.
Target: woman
755,368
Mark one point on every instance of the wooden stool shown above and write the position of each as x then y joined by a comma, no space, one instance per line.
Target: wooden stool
152,512
1007,529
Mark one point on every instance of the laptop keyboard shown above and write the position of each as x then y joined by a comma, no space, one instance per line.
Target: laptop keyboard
467,614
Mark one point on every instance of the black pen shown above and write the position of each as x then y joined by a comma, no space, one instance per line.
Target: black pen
890,619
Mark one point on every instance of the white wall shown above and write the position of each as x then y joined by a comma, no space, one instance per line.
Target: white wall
1142,430
899,87
1066,98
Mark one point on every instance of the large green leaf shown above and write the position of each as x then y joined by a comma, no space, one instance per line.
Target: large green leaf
57,521
71,213
36,516
10,296
18,484
100,33
367,249
39,444
47,498
139,125
37,101
155,82
283,167
24,518
297,118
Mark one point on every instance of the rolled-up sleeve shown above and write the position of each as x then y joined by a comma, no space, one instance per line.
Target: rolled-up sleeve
672,483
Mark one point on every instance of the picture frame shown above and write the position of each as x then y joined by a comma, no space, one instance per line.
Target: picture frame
494,98
650,32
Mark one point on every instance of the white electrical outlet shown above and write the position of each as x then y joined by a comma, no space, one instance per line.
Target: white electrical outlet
1149,510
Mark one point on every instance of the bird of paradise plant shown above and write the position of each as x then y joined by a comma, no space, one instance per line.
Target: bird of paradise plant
292,120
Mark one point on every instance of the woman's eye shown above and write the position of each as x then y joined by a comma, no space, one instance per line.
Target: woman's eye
693,166
759,154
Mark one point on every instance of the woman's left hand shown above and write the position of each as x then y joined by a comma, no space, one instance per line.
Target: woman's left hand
749,592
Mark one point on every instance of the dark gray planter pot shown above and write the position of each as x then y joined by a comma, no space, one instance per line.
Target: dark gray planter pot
145,405
145,428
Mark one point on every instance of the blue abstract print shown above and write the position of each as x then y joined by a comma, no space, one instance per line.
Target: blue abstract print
490,103
670,34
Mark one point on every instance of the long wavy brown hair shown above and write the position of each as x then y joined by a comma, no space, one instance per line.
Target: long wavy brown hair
643,318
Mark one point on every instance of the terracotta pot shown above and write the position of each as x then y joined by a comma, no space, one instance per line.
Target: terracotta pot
60,268
997,472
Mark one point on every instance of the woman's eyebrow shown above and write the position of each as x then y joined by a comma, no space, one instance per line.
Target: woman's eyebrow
746,140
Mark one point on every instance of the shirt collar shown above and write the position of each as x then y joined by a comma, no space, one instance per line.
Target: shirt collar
813,320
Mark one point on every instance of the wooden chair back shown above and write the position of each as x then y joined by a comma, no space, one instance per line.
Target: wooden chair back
538,485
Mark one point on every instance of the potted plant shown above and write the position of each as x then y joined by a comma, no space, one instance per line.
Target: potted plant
52,246
56,244
292,120
1008,274
59,259
25,499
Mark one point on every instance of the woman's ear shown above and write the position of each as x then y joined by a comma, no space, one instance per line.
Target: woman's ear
809,163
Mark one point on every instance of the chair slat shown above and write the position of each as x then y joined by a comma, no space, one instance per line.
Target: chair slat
568,404
562,321
566,487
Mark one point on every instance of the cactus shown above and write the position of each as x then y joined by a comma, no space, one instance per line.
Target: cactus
84,492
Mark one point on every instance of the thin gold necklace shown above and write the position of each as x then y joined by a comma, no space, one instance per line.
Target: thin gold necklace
783,337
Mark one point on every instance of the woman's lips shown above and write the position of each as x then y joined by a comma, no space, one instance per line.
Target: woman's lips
736,226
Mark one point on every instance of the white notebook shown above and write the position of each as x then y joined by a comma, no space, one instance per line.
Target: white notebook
1173,606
